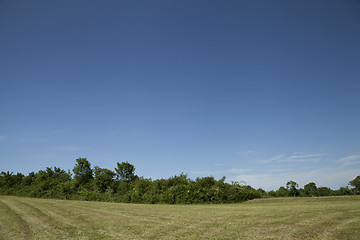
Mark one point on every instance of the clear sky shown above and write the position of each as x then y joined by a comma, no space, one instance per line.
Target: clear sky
257,91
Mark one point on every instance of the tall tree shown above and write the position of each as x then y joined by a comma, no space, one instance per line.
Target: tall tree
356,184
282,192
292,188
125,172
82,171
104,178
310,189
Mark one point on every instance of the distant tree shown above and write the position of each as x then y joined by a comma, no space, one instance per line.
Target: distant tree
343,191
99,184
324,191
261,192
126,172
356,184
206,182
82,171
310,189
104,178
29,179
292,188
6,179
272,193
282,192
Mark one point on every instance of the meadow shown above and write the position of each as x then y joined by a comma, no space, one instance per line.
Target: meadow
273,218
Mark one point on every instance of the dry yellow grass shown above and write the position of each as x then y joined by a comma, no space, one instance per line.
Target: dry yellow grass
281,218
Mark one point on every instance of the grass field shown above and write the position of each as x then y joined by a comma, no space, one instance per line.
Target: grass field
279,218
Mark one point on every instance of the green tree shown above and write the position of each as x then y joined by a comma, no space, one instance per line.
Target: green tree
104,178
281,192
324,191
356,184
261,192
29,179
343,191
10,183
82,171
7,180
292,188
310,189
126,172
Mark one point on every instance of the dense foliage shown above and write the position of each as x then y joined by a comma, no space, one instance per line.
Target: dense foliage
309,190
122,185
101,184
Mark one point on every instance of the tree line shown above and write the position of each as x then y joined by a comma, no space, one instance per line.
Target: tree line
311,190
123,185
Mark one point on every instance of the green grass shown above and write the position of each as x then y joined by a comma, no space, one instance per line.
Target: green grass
278,218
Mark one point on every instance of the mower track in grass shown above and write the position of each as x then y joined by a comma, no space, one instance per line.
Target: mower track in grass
277,218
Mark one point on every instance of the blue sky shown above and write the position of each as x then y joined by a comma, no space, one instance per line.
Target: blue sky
257,91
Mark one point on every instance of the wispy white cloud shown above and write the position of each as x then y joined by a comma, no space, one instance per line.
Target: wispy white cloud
249,152
238,170
280,170
350,160
300,156
204,172
297,157
216,172
277,158
70,148
2,139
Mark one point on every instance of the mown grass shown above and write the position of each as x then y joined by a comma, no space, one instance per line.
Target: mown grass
278,218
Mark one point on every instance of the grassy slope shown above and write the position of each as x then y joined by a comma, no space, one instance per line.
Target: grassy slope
282,218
